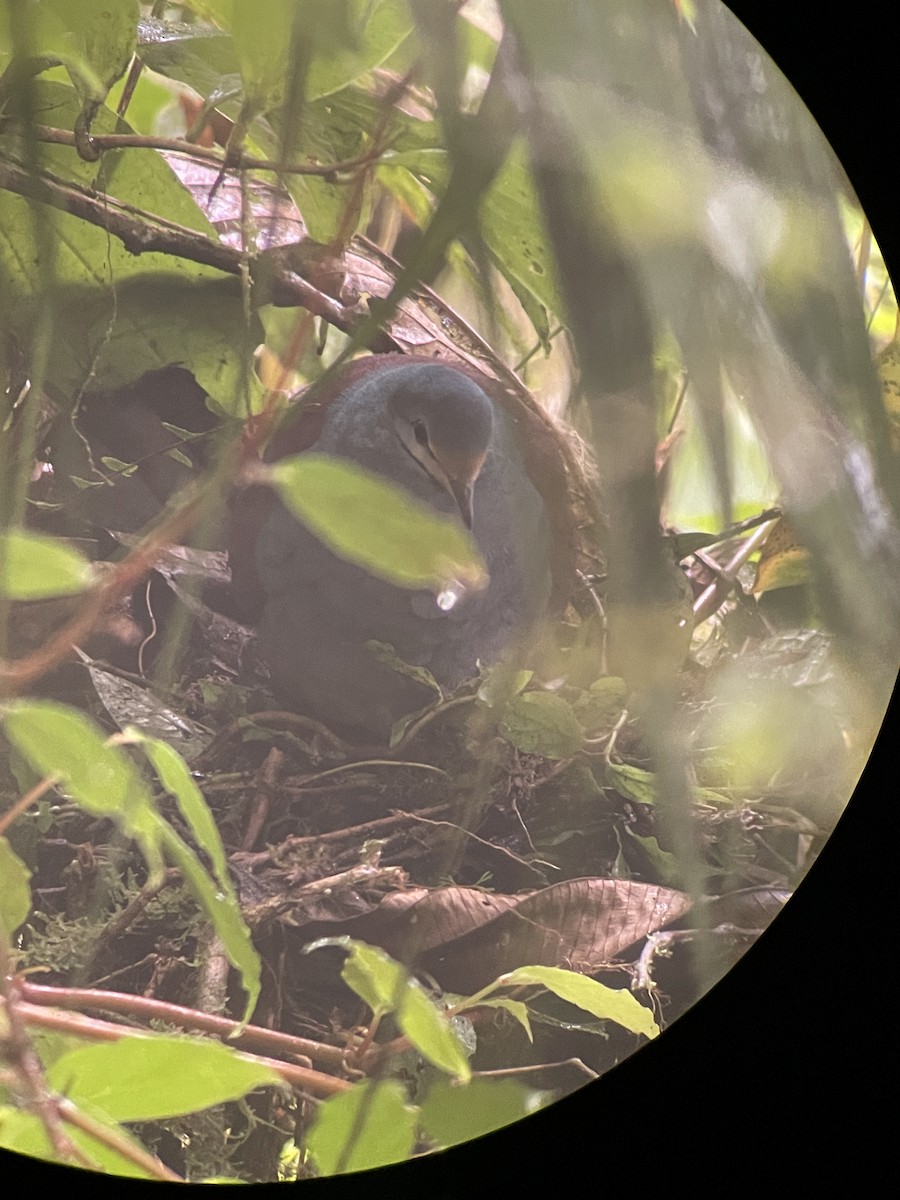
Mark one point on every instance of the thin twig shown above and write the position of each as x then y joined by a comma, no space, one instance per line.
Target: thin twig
26,1068
711,597
116,1141
77,1024
118,141
300,781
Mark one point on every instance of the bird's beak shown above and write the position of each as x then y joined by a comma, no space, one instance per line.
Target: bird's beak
462,491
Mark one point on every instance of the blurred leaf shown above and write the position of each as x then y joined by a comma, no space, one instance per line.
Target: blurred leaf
634,783
155,1077
35,566
542,723
94,42
501,683
15,894
24,1133
888,364
99,777
221,905
369,1126
662,863
452,1114
602,704
368,521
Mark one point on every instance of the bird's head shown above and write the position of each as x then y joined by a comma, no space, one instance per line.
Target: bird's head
444,420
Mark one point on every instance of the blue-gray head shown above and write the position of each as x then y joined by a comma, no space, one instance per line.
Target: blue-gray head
444,421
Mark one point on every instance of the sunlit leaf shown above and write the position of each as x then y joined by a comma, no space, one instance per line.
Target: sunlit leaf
611,1004
148,1078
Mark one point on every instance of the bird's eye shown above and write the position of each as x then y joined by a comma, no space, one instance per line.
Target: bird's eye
421,432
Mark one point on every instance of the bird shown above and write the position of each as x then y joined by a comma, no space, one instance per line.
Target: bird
431,429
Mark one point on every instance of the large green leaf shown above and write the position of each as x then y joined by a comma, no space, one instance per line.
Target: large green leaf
611,1004
371,522
542,723
34,566
25,1133
15,894
94,42
116,314
452,1114
218,899
59,741
150,1078
369,1126
387,987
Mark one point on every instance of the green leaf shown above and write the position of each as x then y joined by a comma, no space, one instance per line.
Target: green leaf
662,862
116,464
219,903
155,1077
501,683
369,1126
632,782
610,1004
34,566
15,894
386,654
24,1133
387,987
60,741
639,785
602,705
101,38
369,521
513,228
542,723
117,314
452,1113
381,25
515,1008
93,41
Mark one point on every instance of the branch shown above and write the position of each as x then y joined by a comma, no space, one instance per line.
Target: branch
142,232
117,141
146,1008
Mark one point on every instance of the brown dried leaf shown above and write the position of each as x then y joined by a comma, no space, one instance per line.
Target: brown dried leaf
466,937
